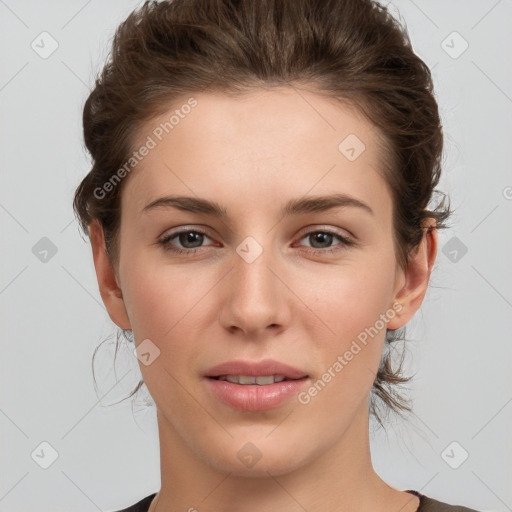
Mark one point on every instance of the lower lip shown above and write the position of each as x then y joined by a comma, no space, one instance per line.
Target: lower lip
253,397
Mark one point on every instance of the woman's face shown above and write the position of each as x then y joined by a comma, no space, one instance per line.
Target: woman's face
277,278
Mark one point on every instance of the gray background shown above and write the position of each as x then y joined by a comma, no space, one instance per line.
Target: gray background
52,316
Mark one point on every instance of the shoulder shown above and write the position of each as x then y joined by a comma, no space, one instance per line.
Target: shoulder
140,506
428,504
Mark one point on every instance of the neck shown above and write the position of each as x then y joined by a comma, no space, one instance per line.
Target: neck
341,479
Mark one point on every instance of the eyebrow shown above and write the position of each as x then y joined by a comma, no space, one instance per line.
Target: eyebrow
298,206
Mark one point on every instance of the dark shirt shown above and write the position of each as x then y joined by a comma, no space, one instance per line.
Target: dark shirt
426,505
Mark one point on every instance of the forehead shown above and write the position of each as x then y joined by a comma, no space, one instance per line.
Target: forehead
258,148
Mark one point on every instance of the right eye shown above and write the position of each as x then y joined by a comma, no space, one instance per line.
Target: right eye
185,237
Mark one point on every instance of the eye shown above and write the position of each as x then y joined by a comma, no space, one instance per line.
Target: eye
190,239
320,241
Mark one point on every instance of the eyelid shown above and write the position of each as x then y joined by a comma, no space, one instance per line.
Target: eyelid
313,228
171,232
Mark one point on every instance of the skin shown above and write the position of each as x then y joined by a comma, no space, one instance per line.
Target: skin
252,154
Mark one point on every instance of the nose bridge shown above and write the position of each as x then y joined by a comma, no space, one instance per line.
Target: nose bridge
252,274
254,297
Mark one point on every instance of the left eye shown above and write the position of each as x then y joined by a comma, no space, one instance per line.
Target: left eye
322,238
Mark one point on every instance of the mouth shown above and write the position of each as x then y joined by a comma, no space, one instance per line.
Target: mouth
260,380
255,386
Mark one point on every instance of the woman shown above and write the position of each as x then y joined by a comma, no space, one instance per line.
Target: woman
258,209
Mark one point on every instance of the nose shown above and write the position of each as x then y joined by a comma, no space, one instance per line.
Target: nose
255,299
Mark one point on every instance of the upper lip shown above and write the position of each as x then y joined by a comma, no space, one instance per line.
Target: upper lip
255,369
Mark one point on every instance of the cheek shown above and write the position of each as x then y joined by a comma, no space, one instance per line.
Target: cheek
161,298
351,297
354,302
164,302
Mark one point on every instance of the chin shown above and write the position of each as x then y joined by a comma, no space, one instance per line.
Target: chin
260,458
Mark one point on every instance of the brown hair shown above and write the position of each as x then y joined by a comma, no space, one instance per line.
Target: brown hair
350,50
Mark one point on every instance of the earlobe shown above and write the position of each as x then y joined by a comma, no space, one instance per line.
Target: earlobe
417,276
110,291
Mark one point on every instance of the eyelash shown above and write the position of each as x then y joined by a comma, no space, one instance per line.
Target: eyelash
345,242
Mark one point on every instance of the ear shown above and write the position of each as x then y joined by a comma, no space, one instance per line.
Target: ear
107,280
416,276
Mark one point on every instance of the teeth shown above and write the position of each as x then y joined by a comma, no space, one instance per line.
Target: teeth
232,378
247,379
265,380
243,379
